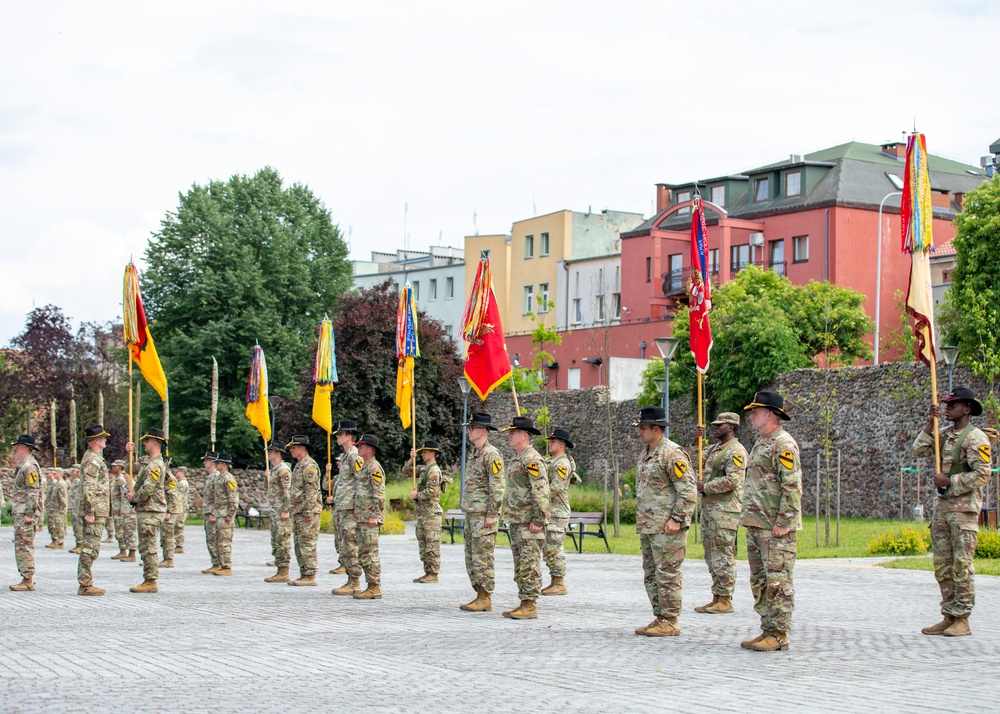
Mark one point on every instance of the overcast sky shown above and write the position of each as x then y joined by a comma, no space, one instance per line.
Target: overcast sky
500,110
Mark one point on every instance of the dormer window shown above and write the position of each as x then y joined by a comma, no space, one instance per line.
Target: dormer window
684,199
761,190
793,184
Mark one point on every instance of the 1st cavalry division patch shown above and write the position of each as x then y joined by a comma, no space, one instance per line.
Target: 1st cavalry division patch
787,459
738,460
680,468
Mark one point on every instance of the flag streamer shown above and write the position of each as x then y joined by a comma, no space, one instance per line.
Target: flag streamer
135,331
258,409
699,289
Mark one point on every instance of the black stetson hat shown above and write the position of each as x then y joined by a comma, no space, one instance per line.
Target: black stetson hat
369,439
154,434
347,425
429,445
769,400
209,456
481,419
298,440
657,416
223,459
277,447
964,394
25,440
562,435
524,424
94,432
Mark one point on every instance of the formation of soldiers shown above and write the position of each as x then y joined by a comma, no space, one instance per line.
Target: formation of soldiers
760,491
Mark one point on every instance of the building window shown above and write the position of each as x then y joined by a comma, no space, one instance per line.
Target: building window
649,270
448,329
618,277
528,304
543,297
416,289
432,289
449,288
577,311
800,246
718,196
676,272
713,261
529,247
778,256
793,184
739,256
684,197
544,247
616,306
761,190
600,308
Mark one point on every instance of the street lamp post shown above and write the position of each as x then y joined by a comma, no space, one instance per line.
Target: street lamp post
950,354
464,385
667,346
661,389
878,271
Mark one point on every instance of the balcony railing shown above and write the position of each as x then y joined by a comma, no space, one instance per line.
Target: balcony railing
778,266
676,281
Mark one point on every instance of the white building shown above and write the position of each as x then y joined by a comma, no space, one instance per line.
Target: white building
588,292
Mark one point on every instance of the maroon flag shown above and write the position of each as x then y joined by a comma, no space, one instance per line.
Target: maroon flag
699,290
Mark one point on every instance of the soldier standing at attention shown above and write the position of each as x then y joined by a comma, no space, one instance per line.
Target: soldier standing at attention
560,471
721,503
208,508
484,483
344,518
150,501
124,512
26,509
226,500
57,511
183,490
95,505
74,510
427,497
665,501
307,507
965,457
170,519
772,513
527,513
279,495
369,510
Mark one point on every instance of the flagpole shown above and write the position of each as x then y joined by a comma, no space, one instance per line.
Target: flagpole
701,457
267,468
131,434
329,474
513,390
937,433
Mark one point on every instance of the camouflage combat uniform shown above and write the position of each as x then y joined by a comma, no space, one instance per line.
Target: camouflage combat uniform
484,483
150,505
665,490
26,502
344,492
226,501
559,470
720,511
208,509
369,502
174,510
56,504
429,511
772,495
307,502
955,523
74,510
279,495
127,533
527,504
183,491
95,500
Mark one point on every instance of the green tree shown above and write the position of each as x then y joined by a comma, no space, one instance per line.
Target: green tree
242,261
970,318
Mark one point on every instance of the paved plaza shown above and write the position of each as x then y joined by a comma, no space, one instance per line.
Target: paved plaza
237,644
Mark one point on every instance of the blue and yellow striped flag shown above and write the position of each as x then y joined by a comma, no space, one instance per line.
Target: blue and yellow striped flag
407,348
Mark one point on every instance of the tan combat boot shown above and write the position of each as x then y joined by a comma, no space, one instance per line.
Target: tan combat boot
147,586
52,545
167,563
482,603
339,570
703,608
304,580
372,592
771,642
223,571
122,554
77,549
940,627
279,577
643,630
666,627
958,628
427,578
721,606
556,587
58,546
211,571
178,550
747,644
90,590
130,558
352,586
525,611
25,585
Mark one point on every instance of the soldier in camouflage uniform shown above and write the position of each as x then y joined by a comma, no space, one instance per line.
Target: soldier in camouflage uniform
207,509
527,513
307,507
126,532
345,488
427,498
74,510
183,491
484,484
560,469
369,511
665,501
726,464
772,513
150,501
226,501
965,464
95,505
26,509
170,518
56,503
279,495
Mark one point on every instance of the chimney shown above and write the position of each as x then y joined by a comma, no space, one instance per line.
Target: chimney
895,149
662,196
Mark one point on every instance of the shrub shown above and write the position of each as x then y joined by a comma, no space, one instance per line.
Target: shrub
451,495
989,544
393,524
905,541
326,521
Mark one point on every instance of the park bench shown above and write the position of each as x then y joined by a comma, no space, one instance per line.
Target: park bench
581,521
251,515
454,522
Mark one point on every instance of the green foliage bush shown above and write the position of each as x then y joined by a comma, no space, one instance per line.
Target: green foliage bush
905,541
989,544
393,524
591,500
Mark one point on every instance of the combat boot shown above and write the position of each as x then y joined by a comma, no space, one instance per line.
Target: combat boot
25,585
666,627
771,642
58,546
130,558
427,578
482,603
372,592
525,611
77,549
178,550
703,608
53,545
556,587
147,586
940,627
223,571
643,630
339,570
107,540
121,555
210,571
279,577
304,580
167,563
721,606
352,586
90,590
747,644
958,628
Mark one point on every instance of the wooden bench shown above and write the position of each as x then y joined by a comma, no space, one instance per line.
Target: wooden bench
243,511
581,521
454,521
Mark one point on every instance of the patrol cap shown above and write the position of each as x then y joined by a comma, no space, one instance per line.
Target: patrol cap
727,418
118,462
